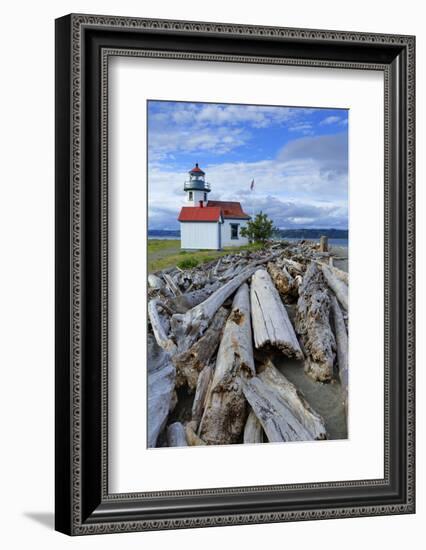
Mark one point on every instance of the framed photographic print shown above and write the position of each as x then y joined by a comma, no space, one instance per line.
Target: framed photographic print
234,274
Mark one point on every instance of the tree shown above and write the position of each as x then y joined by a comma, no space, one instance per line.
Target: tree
260,229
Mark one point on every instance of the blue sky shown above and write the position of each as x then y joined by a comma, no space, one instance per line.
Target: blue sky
297,156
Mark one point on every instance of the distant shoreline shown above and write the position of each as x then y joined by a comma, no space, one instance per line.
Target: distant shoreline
332,240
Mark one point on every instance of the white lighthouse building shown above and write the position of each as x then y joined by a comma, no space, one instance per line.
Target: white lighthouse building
206,224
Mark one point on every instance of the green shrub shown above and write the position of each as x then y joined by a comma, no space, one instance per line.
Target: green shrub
208,259
188,263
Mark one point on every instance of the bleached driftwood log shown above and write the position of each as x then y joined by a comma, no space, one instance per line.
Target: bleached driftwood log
203,383
339,288
158,329
313,325
155,282
188,300
271,324
190,362
294,268
294,400
323,246
175,290
272,412
253,431
161,387
176,436
283,281
190,326
342,347
225,413
191,436
339,273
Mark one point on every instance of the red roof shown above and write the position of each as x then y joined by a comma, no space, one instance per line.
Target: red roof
196,169
199,214
231,210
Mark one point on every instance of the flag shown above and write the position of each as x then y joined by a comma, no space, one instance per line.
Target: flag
252,185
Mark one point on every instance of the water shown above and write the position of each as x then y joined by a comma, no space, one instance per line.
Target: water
164,237
335,242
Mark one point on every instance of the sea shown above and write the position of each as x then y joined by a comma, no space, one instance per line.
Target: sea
335,242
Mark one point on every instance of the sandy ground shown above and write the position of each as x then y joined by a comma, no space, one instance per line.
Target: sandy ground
326,399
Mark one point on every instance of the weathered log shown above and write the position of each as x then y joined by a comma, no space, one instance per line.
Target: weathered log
272,412
190,362
191,436
181,304
342,347
155,282
323,245
294,400
312,324
339,288
174,289
161,389
225,413
176,436
340,274
283,281
253,431
271,324
190,326
158,329
294,268
200,394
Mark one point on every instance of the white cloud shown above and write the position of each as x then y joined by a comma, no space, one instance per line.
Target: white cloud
186,140
295,193
330,120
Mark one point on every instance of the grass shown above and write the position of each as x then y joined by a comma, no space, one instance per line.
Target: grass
167,253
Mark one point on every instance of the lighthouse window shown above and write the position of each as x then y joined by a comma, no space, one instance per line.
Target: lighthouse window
234,230
190,197
205,197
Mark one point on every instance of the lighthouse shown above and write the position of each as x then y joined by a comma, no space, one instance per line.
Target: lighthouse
196,188
207,224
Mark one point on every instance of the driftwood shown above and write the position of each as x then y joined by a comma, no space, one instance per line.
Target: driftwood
323,246
272,412
340,274
225,413
155,282
294,268
161,389
190,326
271,324
176,436
158,329
181,304
312,323
203,383
174,289
191,436
342,347
253,431
339,288
294,400
189,363
283,282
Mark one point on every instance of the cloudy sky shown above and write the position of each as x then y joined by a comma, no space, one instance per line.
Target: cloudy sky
297,156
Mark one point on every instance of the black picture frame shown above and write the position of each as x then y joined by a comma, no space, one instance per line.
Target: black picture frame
83,45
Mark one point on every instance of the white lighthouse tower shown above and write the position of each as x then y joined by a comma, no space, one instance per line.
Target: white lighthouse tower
196,187
206,224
